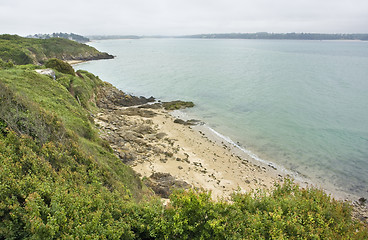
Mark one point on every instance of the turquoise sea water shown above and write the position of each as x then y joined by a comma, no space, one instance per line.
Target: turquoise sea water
300,104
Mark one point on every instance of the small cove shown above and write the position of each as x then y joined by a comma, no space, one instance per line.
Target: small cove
300,104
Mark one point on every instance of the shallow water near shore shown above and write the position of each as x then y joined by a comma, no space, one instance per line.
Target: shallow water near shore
300,104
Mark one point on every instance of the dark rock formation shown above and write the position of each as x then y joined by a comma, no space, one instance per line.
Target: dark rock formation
109,96
190,122
163,184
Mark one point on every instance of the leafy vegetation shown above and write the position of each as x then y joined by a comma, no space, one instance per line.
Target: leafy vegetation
59,180
60,66
27,50
283,213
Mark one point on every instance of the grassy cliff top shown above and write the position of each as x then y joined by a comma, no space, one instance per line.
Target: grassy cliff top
21,50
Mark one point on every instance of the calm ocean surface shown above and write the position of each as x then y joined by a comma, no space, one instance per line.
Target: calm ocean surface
300,104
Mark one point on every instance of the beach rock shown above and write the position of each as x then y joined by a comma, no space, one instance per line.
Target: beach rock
169,154
161,135
190,122
129,136
109,97
179,121
144,129
362,200
138,112
152,106
126,157
103,118
164,183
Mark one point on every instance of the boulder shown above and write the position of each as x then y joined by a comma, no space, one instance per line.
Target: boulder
48,72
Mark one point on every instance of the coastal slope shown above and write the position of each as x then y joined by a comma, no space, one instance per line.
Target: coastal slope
21,50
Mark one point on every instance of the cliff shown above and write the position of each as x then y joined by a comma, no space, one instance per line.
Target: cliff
22,51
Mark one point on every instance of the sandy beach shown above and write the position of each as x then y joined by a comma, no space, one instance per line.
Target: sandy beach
151,142
205,162
74,62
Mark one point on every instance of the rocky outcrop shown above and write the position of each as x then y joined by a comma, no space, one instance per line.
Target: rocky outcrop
163,184
134,137
88,56
360,210
48,72
110,97
190,122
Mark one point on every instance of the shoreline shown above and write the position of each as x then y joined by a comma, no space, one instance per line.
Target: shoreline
238,170
302,180
201,145
168,154
183,152
76,62
154,142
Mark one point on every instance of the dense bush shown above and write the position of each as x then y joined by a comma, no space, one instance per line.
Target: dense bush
60,66
286,212
6,65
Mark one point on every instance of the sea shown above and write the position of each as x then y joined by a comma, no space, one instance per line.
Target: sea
302,105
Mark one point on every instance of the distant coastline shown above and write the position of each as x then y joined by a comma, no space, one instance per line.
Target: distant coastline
258,35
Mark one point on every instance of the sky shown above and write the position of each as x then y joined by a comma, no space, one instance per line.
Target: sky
182,17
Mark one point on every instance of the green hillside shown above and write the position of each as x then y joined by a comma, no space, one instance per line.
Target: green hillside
60,180
21,50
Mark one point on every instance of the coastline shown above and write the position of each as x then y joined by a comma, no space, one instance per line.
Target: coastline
74,62
151,142
168,153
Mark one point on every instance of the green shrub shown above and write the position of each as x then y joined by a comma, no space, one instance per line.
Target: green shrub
6,65
60,66
287,212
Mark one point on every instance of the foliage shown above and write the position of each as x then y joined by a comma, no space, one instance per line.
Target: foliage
6,65
57,179
28,50
286,212
23,117
60,66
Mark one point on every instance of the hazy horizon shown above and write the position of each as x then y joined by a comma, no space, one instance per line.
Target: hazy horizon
177,17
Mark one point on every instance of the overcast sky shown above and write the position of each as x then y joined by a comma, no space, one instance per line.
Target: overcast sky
179,17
